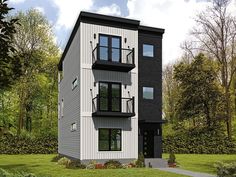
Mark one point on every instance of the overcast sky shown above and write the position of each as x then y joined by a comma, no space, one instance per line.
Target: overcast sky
175,16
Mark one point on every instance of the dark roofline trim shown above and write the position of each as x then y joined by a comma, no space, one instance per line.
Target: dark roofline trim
93,18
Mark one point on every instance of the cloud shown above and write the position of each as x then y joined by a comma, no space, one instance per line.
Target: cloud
40,9
69,10
175,16
16,1
113,9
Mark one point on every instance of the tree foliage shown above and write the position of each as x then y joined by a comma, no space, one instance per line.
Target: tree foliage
9,63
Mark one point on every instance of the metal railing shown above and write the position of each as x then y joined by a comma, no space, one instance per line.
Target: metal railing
105,53
122,105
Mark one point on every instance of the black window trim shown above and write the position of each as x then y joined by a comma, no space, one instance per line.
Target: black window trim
154,53
110,138
110,46
110,95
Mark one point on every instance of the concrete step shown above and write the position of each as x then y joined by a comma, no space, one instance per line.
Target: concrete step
155,163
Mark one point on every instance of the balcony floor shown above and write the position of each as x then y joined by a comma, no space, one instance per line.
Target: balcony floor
112,114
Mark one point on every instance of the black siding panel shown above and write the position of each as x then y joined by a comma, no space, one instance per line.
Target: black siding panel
150,75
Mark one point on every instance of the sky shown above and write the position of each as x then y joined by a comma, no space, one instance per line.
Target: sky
175,16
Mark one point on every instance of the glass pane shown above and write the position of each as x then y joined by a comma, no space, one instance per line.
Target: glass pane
115,42
103,139
103,41
116,97
103,96
148,92
103,53
115,55
115,140
148,50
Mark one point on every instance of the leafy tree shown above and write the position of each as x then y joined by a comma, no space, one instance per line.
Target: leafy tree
200,94
215,35
9,64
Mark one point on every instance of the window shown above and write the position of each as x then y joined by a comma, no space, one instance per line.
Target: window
148,93
109,48
109,139
110,96
74,83
62,108
73,127
148,50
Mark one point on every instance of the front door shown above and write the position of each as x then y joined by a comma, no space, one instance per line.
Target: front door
148,143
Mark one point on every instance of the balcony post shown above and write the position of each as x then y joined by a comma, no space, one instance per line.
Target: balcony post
133,104
133,56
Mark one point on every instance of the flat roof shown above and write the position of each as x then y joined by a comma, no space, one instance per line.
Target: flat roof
107,20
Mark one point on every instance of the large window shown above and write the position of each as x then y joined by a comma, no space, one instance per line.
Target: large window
110,96
148,50
109,48
109,139
148,93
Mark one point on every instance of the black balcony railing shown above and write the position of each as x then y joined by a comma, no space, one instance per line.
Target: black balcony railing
111,58
116,107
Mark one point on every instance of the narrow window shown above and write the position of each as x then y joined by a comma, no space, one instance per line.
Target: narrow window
148,93
148,50
109,139
74,83
73,127
62,108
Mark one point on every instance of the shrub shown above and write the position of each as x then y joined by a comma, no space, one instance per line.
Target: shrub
199,141
4,173
226,169
91,164
63,161
171,158
112,164
140,161
75,164
56,158
25,145
99,166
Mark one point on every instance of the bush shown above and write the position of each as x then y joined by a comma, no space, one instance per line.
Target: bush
140,161
71,164
91,164
199,141
63,161
25,145
226,169
171,158
56,158
99,166
112,164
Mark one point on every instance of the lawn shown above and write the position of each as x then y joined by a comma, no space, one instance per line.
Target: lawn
201,162
42,165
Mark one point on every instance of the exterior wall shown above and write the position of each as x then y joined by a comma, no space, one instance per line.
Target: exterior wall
89,89
69,141
150,75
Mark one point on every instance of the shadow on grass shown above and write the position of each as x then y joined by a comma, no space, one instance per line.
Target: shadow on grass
13,166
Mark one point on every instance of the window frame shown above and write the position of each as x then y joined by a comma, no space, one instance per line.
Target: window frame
109,106
109,139
110,47
153,93
72,84
148,57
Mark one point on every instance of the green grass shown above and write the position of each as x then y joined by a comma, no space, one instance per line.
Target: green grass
201,162
42,165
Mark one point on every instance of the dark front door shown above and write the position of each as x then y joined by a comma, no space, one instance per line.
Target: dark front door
148,143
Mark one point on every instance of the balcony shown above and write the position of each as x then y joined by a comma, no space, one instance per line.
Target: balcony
113,59
114,107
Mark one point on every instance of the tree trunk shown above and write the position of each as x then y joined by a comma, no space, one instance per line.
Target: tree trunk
228,113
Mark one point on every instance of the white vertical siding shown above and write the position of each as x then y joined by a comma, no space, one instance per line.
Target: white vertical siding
69,142
89,125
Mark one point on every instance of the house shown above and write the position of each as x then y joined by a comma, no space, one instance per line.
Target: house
110,90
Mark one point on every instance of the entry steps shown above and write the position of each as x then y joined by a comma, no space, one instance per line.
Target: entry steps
155,163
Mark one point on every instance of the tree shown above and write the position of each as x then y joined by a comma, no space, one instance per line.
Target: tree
215,36
9,64
200,94
37,86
